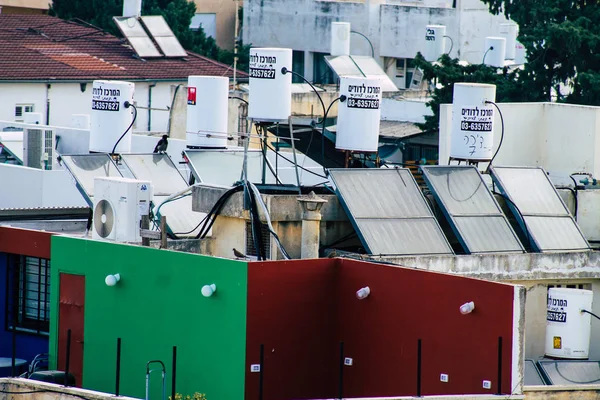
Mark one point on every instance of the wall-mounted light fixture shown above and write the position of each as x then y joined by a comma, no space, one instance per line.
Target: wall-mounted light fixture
111,280
467,308
209,290
363,293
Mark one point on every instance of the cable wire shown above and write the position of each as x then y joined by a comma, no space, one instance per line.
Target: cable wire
268,219
127,104
529,238
501,133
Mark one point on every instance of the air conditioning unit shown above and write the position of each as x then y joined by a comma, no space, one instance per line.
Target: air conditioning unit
119,204
38,148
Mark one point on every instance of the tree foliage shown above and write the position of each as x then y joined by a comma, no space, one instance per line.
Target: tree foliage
562,39
177,13
510,85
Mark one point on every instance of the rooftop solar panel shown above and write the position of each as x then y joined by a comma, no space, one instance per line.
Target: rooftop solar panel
158,169
162,34
532,376
84,168
361,66
569,373
471,209
389,212
135,34
538,208
224,167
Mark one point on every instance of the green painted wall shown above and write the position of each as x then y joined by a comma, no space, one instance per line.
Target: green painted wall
156,305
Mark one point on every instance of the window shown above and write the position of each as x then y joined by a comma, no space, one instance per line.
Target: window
297,65
206,21
322,74
20,109
28,294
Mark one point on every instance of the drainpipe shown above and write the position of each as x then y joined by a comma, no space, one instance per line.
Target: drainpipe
150,86
48,86
311,224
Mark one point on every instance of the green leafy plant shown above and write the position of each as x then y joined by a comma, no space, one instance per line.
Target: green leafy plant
195,396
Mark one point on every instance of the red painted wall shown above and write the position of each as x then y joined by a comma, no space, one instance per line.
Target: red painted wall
292,311
301,310
25,242
381,332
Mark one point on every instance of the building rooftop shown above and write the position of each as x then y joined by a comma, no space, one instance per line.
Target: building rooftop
41,47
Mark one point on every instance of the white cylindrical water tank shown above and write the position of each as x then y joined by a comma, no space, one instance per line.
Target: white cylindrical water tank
109,118
435,42
132,8
32,118
359,114
494,51
567,327
340,39
270,97
207,111
472,121
509,32
80,121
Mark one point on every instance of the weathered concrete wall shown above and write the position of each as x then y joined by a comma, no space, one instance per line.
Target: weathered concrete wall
534,135
576,392
35,390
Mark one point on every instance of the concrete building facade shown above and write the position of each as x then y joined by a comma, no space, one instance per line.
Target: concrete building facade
24,6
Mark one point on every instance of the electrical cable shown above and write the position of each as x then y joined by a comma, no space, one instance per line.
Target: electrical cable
451,44
501,133
591,313
342,98
299,166
239,98
268,219
256,226
127,104
485,54
505,197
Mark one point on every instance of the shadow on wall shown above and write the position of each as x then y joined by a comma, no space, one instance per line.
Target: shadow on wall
302,310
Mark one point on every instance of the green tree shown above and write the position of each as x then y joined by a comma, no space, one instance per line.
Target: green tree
510,85
562,39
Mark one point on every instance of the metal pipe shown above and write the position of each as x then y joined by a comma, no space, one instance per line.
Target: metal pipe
68,360
294,153
174,373
149,106
499,365
118,373
261,376
341,377
419,368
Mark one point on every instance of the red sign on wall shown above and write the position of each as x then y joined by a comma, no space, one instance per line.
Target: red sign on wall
192,96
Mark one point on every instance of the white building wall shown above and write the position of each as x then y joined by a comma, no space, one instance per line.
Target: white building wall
396,29
66,99
12,94
561,138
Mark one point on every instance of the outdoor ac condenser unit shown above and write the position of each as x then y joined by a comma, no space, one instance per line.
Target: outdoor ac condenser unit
119,204
38,148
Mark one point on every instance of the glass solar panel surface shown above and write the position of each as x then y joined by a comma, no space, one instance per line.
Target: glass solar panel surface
389,211
471,209
539,209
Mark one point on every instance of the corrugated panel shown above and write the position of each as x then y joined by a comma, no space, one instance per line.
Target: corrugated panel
541,213
471,209
158,169
569,373
389,211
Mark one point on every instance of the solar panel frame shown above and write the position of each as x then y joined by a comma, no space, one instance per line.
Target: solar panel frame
475,216
137,37
90,162
369,203
360,66
515,204
164,183
163,36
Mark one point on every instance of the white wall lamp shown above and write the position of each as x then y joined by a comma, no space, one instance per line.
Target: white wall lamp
363,293
209,290
467,308
112,280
